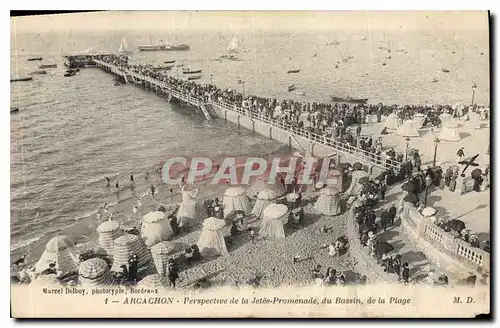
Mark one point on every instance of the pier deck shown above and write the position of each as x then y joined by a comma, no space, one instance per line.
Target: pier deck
211,108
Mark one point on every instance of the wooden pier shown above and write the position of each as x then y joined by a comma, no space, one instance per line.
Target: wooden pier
242,117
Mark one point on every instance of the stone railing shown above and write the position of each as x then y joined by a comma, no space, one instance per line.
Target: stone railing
445,242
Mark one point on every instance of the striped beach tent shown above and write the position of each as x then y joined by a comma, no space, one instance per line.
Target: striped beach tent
155,228
235,199
264,198
212,238
274,216
153,281
262,182
328,202
160,253
356,187
94,272
124,246
392,122
108,232
59,251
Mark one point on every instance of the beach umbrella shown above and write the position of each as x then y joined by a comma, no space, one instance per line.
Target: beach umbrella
160,254
59,243
212,240
429,211
383,248
272,221
124,246
267,194
213,224
411,198
108,232
94,272
155,228
153,281
235,198
328,202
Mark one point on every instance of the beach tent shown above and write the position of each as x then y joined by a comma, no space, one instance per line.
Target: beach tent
334,178
407,129
186,215
391,122
123,248
235,199
264,198
475,120
108,232
212,239
155,228
261,183
449,131
445,117
59,251
153,281
419,119
356,187
160,254
328,202
94,272
274,216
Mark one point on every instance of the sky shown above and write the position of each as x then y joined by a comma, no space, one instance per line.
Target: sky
246,20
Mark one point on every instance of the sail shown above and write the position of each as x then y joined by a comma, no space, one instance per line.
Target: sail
234,44
123,46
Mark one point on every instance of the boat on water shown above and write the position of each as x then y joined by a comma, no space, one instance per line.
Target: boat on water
291,87
388,57
21,78
162,68
14,110
229,57
124,49
70,73
434,80
384,63
35,58
189,71
38,72
293,71
445,70
195,77
169,61
363,74
299,93
47,66
160,46
349,100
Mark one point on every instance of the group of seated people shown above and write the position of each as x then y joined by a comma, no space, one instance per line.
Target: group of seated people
331,277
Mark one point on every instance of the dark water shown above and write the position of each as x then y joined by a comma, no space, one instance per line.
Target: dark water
71,132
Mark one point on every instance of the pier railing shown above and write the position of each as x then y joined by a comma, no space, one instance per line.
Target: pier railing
342,147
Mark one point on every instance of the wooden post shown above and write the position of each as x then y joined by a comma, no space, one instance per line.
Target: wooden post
225,117
238,121
312,148
290,142
270,132
253,126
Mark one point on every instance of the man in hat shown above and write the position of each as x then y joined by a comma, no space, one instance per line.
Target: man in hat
460,154
405,273
133,263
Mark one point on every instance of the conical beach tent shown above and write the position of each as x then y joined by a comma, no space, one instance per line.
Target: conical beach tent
186,215
333,179
274,216
212,239
407,129
160,254
449,131
445,117
262,182
356,187
328,202
155,228
418,120
392,122
153,281
123,248
235,199
59,251
264,199
108,232
94,272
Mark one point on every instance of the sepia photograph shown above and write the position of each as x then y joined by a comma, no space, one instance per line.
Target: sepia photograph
310,164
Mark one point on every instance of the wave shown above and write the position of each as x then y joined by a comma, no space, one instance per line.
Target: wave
24,243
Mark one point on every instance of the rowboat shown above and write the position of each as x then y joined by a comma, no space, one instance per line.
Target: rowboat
196,77
69,73
291,87
169,61
35,58
294,71
47,66
188,71
349,100
21,78
14,109
38,72
162,68
445,70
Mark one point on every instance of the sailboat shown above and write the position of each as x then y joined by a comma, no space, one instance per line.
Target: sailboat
234,45
124,48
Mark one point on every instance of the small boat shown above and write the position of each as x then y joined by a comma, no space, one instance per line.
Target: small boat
124,50
336,66
21,78
294,71
291,87
384,63
445,70
434,80
229,57
299,93
482,53
389,57
453,52
47,66
38,72
169,61
363,74
349,100
69,73
195,77
162,68
35,58
188,71
14,109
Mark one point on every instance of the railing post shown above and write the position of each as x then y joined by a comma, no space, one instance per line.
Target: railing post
270,132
